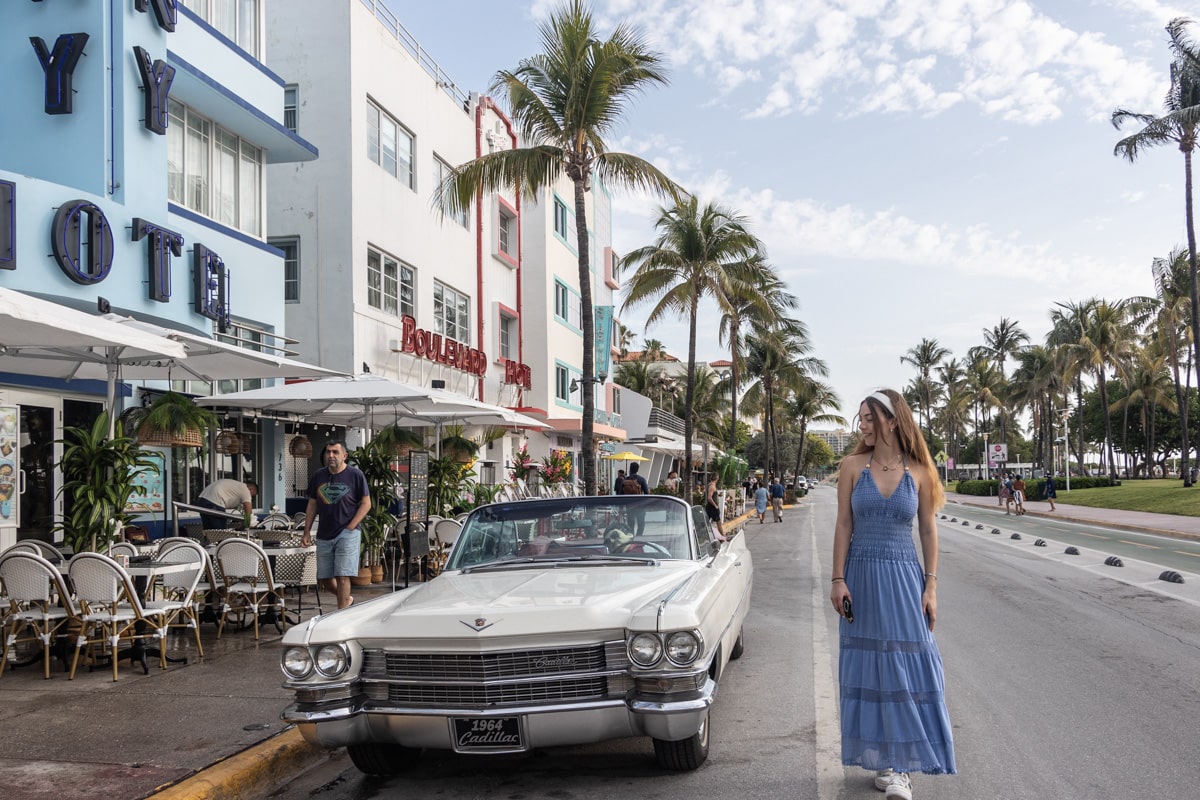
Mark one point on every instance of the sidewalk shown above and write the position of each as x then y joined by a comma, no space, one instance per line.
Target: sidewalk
92,737
1142,521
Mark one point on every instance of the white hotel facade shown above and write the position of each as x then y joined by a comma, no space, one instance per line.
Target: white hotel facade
377,279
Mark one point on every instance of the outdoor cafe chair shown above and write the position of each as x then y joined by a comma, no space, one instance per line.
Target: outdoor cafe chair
298,571
112,610
40,606
446,533
171,542
122,549
43,549
179,588
276,521
250,585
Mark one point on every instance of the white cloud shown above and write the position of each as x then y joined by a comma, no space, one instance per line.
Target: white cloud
1132,197
1008,58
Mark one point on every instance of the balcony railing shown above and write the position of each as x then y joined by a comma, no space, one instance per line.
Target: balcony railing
665,421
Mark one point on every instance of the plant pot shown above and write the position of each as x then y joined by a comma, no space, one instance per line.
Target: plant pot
377,573
363,578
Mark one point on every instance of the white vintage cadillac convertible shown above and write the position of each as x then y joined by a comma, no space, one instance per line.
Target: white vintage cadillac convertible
555,622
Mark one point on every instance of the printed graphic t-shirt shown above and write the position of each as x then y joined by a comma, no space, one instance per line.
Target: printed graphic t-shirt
337,498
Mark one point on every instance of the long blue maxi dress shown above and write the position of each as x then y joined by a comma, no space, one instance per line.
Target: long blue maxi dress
892,687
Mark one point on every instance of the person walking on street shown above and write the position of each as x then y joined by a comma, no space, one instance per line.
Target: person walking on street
1051,490
891,681
636,484
760,503
712,508
776,491
1006,493
1018,492
618,483
223,495
339,498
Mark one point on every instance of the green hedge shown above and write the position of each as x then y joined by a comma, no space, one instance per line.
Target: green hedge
1034,488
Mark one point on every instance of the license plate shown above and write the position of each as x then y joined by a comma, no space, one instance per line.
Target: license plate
495,734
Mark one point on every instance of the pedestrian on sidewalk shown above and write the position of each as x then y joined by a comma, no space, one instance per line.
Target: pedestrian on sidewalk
339,498
712,507
1051,489
760,503
1006,493
1018,493
891,681
776,490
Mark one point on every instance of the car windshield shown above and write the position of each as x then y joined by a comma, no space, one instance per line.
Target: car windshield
620,529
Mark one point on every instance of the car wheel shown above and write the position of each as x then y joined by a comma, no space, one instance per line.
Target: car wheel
738,647
685,754
382,759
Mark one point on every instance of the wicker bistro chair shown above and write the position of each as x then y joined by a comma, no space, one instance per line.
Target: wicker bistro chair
39,606
123,549
297,571
250,585
445,534
171,542
111,610
178,589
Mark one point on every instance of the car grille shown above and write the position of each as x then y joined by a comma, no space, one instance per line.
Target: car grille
479,680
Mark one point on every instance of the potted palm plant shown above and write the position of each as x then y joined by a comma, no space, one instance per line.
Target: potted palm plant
98,481
402,441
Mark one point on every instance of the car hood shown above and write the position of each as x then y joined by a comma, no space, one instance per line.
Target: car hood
512,602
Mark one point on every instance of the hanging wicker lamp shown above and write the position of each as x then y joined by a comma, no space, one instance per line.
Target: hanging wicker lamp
229,443
301,447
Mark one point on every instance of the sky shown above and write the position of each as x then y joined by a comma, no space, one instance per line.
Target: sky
915,169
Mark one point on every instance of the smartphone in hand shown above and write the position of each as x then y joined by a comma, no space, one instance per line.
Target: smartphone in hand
847,611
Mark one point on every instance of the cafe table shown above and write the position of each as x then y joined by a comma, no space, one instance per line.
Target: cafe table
143,574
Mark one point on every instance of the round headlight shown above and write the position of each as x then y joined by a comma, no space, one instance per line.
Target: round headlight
331,660
645,649
296,662
683,647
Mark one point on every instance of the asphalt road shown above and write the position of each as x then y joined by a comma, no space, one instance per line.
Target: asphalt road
1063,682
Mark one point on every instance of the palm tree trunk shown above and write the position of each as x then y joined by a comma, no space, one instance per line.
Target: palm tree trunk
1186,146
1180,400
689,394
588,325
734,378
1107,451
1079,416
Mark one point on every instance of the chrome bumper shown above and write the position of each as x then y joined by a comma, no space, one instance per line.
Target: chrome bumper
359,721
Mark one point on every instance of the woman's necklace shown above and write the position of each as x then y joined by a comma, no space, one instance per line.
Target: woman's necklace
895,464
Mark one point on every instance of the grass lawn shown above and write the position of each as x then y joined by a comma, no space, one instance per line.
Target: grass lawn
1162,496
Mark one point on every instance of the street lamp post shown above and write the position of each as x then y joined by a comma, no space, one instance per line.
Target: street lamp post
987,472
1063,413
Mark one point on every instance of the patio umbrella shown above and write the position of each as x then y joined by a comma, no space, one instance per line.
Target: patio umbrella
39,337
626,456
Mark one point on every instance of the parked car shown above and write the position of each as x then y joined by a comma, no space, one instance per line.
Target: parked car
801,484
559,621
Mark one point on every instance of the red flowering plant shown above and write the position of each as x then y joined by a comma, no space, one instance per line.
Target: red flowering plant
556,467
523,465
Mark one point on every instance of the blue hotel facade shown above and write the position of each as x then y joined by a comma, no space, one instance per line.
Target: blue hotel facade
133,153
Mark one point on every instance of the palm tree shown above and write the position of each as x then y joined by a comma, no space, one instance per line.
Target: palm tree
925,356
634,375
565,100
1000,342
1148,383
1172,281
699,252
653,350
710,404
761,307
812,402
1107,337
1069,322
1177,126
953,414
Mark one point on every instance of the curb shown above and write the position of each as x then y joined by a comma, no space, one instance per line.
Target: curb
250,773
1083,521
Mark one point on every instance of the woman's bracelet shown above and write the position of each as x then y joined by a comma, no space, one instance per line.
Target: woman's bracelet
835,580
931,575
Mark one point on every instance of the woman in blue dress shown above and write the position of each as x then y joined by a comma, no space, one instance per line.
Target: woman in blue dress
893,709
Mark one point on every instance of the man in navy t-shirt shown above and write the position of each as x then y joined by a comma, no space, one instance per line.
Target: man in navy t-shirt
776,492
339,497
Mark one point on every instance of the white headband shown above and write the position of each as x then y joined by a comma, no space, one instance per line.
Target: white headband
884,400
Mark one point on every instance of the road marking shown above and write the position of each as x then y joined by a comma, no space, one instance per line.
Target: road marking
1139,544
831,776
1186,553
1093,535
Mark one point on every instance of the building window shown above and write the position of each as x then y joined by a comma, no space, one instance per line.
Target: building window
506,233
567,306
616,401
291,267
562,384
235,19
291,107
561,224
441,173
451,313
508,336
213,172
390,145
390,285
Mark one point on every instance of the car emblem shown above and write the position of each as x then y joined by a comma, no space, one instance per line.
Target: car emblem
479,625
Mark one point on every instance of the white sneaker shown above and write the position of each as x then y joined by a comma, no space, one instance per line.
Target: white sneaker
900,788
883,778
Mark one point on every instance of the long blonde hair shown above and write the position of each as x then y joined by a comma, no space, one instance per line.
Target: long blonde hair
908,436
